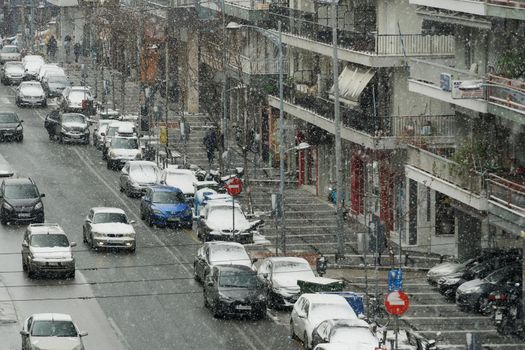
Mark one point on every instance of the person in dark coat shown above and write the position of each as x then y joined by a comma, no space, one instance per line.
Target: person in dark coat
77,50
210,142
52,47
67,45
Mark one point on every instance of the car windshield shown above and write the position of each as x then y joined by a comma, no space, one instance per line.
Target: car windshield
238,279
57,79
292,269
112,130
73,118
103,218
8,118
53,329
21,191
49,240
168,197
499,275
30,85
10,65
124,143
144,171
10,49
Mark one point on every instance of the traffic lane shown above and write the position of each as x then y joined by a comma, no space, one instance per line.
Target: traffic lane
48,165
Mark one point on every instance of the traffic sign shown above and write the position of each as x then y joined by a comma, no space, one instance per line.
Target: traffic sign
395,280
396,303
234,186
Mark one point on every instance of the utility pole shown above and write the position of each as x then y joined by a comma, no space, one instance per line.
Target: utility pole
224,96
338,152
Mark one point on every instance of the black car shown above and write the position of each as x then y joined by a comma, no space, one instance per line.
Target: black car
11,127
20,201
54,85
67,127
471,294
234,289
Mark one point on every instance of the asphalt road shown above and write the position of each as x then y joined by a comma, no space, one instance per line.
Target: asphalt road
146,300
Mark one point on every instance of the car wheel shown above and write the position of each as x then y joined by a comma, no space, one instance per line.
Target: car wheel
51,137
30,272
149,221
24,265
142,216
60,139
195,275
20,138
18,103
109,165
84,239
3,220
71,274
306,343
92,243
292,331
127,192
206,304
217,313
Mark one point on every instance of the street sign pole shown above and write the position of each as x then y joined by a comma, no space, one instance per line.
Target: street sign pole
396,332
233,215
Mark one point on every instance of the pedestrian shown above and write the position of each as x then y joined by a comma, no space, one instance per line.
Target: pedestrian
210,142
77,49
52,47
67,45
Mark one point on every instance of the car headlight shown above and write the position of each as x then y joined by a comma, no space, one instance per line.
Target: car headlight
112,154
7,206
188,212
158,212
65,129
38,206
223,297
261,297
34,347
19,127
98,234
138,156
451,281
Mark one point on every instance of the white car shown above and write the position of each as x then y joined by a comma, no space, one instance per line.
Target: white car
77,99
137,176
109,228
9,53
112,130
100,131
45,67
312,309
219,253
51,331
280,275
32,64
12,73
183,179
121,150
30,93
353,332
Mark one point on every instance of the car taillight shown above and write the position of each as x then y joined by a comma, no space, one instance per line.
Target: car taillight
493,297
84,104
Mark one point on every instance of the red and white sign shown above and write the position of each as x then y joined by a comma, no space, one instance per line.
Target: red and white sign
396,303
234,186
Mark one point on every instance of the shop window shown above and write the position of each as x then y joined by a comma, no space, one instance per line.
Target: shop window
445,218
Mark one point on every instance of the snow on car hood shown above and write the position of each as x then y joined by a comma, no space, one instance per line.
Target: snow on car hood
289,279
444,269
356,337
75,125
323,312
221,218
113,227
184,182
55,343
125,153
144,177
52,252
229,255
32,91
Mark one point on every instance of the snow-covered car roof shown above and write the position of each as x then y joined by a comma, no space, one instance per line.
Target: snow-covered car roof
133,163
219,203
40,229
107,210
331,299
32,58
126,129
52,317
291,259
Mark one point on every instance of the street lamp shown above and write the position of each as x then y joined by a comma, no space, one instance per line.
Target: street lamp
277,40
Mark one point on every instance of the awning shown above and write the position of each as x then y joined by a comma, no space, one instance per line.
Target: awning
352,82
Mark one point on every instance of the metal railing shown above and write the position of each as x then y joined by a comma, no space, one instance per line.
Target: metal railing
506,3
506,92
507,192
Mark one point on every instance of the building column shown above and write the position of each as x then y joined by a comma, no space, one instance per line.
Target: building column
192,52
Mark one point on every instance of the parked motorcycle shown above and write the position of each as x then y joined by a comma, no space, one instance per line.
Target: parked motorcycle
507,309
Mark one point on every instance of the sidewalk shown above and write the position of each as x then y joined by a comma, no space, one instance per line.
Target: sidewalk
9,327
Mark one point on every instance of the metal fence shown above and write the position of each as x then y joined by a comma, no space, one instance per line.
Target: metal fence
507,192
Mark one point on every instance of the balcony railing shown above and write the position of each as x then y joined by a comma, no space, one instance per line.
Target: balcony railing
430,72
506,92
506,192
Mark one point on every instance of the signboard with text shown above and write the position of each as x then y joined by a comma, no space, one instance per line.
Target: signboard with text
467,89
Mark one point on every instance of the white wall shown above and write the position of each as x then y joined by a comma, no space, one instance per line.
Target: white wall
390,12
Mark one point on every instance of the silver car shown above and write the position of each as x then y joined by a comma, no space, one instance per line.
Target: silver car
32,64
51,331
108,228
30,93
122,150
137,176
12,73
9,53
46,248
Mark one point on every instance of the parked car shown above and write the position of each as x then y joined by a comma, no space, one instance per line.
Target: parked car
20,201
164,206
203,196
180,178
100,131
67,127
32,64
218,253
9,53
471,294
121,150
30,93
279,276
46,249
77,99
112,131
234,289
6,170
54,84
352,332
222,220
137,175
57,331
48,66
12,73
106,227
312,309
11,127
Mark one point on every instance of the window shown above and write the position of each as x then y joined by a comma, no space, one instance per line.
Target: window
102,218
22,191
168,197
8,118
445,218
49,240
54,329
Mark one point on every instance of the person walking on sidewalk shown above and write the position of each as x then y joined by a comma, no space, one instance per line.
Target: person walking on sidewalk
67,45
77,49
52,47
210,142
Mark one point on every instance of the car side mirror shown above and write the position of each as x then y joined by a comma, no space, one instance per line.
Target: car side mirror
254,260
82,334
24,333
42,195
102,134
132,222
25,244
22,121
301,315
73,244
265,275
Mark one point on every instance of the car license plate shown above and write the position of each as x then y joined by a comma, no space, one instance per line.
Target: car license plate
75,136
24,215
174,219
52,263
243,307
498,316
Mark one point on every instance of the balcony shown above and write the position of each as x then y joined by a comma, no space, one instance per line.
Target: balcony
506,98
493,8
507,202
247,10
441,175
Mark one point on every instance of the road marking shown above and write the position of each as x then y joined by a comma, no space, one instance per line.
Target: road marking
470,317
461,331
117,330
489,346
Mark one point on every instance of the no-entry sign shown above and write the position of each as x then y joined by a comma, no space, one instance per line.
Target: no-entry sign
234,186
396,303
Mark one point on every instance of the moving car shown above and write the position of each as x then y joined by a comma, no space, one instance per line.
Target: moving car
9,53
30,93
180,178
354,333
20,201
109,228
312,309
164,206
51,331
137,175
112,131
32,64
48,66
53,84
121,150
67,127
279,276
5,168
234,289
222,220
471,294
100,131
218,253
77,99
46,248
12,73
11,127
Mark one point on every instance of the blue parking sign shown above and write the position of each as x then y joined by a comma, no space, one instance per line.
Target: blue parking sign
395,280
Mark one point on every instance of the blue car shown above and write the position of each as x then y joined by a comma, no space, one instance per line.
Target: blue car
165,205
